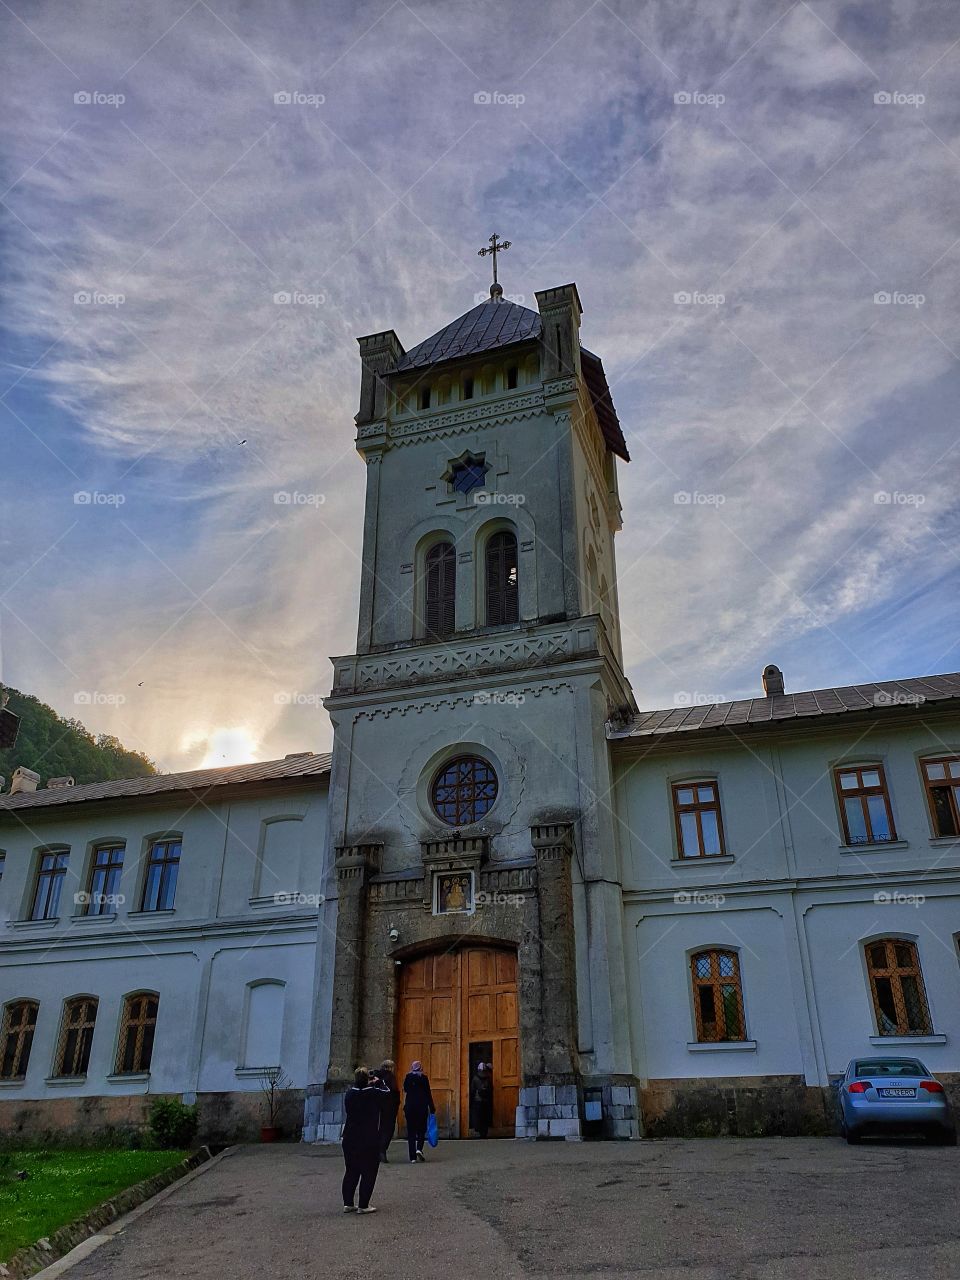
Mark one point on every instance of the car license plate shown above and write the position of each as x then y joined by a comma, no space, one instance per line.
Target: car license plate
897,1093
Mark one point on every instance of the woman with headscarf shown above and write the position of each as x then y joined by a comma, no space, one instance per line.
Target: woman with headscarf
361,1140
481,1100
391,1105
417,1105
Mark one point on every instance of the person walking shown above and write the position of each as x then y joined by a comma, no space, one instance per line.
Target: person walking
417,1104
363,1104
387,1072
481,1099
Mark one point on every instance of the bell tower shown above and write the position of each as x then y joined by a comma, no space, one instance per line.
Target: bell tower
470,781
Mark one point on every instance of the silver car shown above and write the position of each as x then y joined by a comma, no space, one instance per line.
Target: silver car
890,1095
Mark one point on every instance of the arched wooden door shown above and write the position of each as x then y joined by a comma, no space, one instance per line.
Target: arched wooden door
458,1008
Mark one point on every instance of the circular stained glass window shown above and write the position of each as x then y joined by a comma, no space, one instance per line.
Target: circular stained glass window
463,791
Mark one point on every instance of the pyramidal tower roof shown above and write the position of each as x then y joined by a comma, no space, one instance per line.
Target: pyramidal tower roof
486,327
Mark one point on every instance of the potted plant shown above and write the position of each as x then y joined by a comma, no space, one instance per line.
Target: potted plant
273,1082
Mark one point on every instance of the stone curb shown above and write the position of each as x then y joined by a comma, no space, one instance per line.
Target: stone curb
69,1244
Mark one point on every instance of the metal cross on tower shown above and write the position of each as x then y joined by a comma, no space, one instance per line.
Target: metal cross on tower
496,246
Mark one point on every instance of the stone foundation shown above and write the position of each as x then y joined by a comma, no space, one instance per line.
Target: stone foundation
549,1111
82,1121
737,1107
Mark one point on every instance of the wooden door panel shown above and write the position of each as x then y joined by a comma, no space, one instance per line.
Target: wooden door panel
506,1011
449,1000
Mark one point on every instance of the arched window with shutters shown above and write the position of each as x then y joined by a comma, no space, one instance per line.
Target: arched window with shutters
896,984
137,1028
502,579
76,1036
16,1038
440,590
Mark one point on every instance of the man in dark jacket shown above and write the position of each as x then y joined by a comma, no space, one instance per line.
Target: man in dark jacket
361,1139
387,1072
417,1103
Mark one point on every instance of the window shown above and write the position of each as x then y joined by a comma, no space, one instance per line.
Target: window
864,805
512,376
468,388
464,790
424,397
441,590
16,1038
942,779
696,810
896,983
137,1027
51,871
503,596
3,863
717,996
468,474
103,894
160,884
76,1036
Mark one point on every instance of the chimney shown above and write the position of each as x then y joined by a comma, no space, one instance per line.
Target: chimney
24,780
65,781
772,681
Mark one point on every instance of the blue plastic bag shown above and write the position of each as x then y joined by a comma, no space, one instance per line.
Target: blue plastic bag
432,1136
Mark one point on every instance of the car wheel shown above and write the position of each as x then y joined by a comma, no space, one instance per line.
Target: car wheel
948,1139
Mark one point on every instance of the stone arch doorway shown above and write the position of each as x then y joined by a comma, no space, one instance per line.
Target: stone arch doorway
458,1007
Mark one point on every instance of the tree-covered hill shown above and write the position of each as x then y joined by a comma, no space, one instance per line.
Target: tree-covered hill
53,747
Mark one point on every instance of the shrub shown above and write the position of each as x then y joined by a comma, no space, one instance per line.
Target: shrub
172,1123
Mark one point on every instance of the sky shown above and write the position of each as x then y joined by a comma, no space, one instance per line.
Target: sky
757,201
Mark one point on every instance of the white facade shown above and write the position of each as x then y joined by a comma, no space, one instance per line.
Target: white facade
788,896
232,961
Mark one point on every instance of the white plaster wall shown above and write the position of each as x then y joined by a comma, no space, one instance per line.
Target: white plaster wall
200,957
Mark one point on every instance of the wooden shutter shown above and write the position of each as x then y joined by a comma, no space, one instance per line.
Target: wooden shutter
503,603
441,589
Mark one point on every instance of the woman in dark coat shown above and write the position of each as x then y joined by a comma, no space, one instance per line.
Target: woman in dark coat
417,1104
361,1140
387,1072
481,1100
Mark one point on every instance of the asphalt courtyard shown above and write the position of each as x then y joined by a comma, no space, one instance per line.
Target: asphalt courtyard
728,1209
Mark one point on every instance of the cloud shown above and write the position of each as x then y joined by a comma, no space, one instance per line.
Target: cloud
198,396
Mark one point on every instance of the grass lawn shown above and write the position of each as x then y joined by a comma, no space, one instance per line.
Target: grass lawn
63,1185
